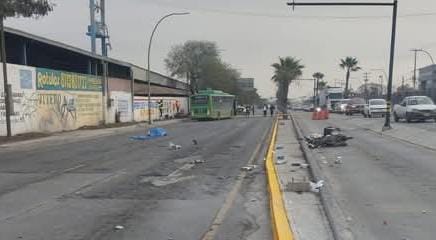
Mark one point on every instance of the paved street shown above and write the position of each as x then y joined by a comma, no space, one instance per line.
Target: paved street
83,189
385,186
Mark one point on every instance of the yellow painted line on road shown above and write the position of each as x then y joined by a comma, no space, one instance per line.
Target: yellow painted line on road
281,228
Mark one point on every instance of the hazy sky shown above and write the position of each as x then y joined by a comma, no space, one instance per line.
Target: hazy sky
252,34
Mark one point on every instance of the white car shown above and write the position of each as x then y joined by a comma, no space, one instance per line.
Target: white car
415,108
375,107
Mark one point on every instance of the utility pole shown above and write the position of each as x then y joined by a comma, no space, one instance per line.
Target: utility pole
366,80
7,88
414,67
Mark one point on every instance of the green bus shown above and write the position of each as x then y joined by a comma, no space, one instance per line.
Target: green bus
212,104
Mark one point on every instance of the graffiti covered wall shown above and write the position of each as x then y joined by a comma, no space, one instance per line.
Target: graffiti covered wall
67,101
24,97
170,107
49,101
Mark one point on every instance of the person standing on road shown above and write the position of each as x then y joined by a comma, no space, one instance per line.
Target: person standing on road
247,111
265,109
271,109
252,110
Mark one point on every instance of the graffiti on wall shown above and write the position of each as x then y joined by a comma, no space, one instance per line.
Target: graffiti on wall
170,107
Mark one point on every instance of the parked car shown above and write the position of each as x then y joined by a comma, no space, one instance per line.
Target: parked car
415,108
375,107
355,105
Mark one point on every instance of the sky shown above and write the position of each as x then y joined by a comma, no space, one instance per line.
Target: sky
253,34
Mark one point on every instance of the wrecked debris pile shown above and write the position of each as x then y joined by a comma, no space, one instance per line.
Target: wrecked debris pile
332,138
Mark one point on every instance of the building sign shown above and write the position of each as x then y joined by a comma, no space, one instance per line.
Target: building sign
47,79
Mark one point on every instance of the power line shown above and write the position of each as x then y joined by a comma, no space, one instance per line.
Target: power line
325,17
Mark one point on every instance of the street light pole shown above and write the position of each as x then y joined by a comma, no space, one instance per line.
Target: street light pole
148,60
414,67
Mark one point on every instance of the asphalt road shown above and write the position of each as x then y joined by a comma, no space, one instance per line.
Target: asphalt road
84,189
385,188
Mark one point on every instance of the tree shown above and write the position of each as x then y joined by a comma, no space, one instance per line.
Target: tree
318,76
285,71
187,60
349,64
17,8
322,85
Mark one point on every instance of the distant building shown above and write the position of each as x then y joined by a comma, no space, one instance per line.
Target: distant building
427,80
246,84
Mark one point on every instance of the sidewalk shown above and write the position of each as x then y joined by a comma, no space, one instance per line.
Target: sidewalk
77,135
304,209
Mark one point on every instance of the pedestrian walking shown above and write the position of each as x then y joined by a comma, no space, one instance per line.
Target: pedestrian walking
265,109
247,111
252,110
271,110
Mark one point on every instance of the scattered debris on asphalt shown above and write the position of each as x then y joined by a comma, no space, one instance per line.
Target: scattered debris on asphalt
280,160
315,187
279,147
248,168
304,165
198,161
324,162
173,146
424,211
194,141
338,160
349,219
119,227
295,164
331,138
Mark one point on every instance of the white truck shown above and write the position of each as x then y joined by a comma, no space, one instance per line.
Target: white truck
415,108
375,107
331,97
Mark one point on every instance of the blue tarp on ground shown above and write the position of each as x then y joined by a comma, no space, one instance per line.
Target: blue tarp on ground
152,134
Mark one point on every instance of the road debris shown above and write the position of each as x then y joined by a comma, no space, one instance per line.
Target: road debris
279,147
338,160
248,168
331,138
173,146
198,161
194,141
280,160
119,227
296,164
304,165
315,187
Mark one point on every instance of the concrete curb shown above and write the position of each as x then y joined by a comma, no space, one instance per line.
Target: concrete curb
281,228
333,213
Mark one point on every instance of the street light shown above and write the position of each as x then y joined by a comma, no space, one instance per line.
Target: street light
148,59
414,68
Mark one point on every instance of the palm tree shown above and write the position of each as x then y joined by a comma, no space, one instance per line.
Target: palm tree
318,76
285,71
349,64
